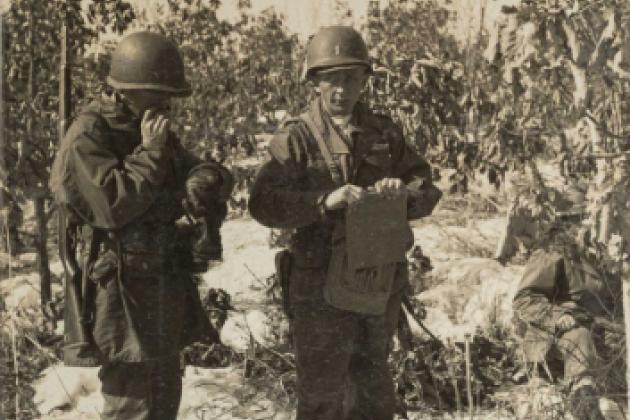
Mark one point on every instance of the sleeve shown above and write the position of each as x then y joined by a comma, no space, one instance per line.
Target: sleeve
415,172
108,192
533,307
281,196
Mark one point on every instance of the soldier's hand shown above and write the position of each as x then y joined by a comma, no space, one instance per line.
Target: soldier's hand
154,129
565,322
343,197
391,188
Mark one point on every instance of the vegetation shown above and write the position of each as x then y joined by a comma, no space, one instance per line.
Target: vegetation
549,80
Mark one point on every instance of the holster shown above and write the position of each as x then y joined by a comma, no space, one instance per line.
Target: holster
284,263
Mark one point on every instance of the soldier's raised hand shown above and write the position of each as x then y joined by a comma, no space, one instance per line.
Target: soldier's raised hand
391,187
343,197
154,129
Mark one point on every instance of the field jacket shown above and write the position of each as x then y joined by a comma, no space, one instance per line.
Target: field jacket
129,297
290,187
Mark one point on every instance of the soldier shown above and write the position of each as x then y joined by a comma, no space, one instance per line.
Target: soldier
563,306
321,164
122,180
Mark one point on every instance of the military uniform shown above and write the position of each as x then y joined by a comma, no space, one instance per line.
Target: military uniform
131,304
553,285
334,345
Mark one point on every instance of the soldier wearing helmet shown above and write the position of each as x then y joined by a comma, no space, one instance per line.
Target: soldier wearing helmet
121,180
335,156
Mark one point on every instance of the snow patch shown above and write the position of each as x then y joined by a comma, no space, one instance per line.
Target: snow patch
68,387
23,291
262,327
209,393
248,261
475,294
443,243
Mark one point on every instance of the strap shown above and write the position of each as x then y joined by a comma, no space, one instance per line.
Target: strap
335,173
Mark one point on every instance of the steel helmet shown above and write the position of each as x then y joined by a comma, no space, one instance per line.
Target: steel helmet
336,46
148,60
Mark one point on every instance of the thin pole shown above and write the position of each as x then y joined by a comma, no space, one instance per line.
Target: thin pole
16,368
471,402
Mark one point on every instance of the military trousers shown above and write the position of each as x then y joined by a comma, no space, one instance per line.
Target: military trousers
338,350
575,349
141,391
578,353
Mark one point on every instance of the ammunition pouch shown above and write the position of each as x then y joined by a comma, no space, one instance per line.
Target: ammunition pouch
284,263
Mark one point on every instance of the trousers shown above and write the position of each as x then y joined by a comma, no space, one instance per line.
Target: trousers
578,352
335,348
141,391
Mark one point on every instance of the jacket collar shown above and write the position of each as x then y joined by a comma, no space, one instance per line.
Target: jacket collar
323,121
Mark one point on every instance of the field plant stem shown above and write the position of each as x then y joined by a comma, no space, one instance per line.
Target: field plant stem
258,279
10,251
16,369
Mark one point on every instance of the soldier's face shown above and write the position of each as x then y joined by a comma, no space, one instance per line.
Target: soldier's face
140,101
340,89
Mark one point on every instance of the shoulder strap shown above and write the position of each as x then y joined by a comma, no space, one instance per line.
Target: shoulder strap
335,173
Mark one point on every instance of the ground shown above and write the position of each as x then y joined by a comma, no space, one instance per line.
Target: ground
467,293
